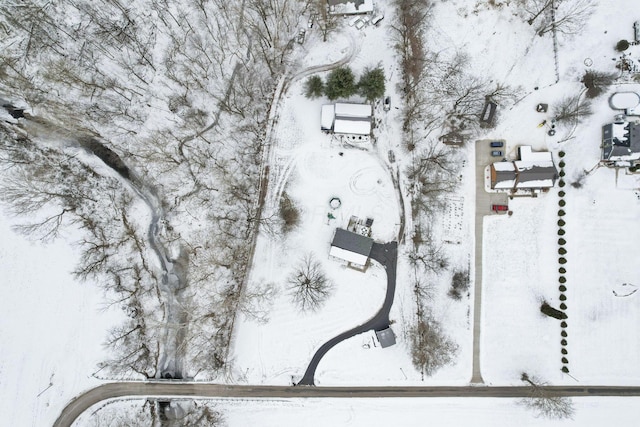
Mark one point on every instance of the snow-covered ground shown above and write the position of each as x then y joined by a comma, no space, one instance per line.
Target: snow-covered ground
52,329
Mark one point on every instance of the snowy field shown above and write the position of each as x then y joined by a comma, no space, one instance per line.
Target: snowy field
409,412
51,328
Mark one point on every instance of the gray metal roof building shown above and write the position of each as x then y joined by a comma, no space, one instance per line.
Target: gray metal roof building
386,337
621,142
351,247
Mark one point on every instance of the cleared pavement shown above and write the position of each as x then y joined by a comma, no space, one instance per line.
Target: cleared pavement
200,390
387,255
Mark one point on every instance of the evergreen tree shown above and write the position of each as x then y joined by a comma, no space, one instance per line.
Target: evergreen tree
314,87
371,84
341,83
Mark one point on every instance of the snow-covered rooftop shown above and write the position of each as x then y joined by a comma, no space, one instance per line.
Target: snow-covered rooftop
346,7
327,116
353,110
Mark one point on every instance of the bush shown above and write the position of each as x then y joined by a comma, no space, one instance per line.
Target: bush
341,83
561,232
561,193
561,212
563,306
371,84
459,284
562,260
562,279
561,173
563,334
562,251
561,223
562,242
562,288
563,324
565,369
562,270
563,342
289,213
597,82
565,360
552,312
561,164
562,203
564,351
563,297
561,183
561,154
622,45
313,87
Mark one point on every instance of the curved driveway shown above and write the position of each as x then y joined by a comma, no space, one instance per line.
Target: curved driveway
200,390
387,255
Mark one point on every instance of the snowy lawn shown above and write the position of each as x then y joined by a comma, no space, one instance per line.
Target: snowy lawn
52,329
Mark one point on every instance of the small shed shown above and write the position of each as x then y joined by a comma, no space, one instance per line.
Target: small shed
386,337
636,31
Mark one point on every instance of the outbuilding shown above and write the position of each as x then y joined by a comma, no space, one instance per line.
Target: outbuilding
346,119
386,337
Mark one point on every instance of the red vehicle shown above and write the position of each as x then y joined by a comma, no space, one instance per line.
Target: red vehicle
499,208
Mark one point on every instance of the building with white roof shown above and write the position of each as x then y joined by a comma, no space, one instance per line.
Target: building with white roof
350,7
347,119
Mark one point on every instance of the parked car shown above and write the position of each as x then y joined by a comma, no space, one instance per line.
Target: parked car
496,153
360,24
312,18
499,208
497,144
379,17
353,21
387,103
301,35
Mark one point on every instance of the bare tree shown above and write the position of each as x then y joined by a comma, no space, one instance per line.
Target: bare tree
308,284
571,109
597,82
544,402
563,16
431,349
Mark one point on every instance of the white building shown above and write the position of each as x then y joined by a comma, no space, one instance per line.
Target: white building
348,119
350,7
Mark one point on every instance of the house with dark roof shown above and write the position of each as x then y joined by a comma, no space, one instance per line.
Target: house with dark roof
534,171
352,248
621,144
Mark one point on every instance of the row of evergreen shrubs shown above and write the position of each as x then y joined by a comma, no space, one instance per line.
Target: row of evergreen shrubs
562,270
341,83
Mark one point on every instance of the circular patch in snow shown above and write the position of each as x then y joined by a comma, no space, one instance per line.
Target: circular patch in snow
365,181
624,100
588,62
335,203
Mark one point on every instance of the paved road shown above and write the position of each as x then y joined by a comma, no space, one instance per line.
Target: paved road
484,200
387,255
200,390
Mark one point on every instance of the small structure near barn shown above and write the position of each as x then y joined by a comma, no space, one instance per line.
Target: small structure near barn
386,337
452,138
488,113
636,31
350,7
347,119
353,248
